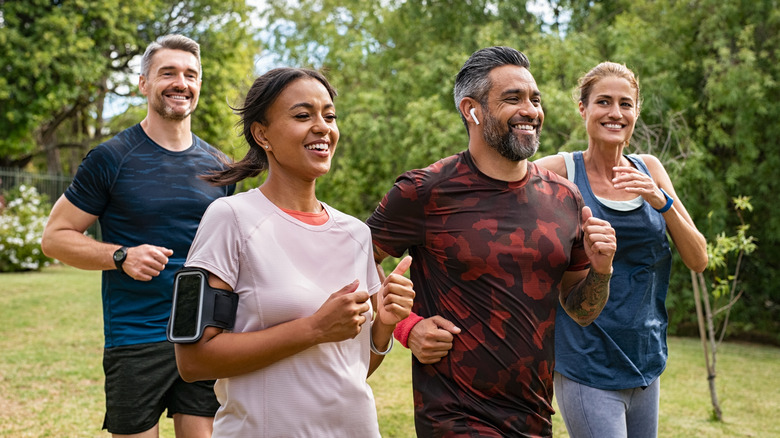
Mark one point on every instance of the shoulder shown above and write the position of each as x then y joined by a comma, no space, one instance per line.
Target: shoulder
649,160
654,165
554,163
427,179
358,230
114,151
205,149
554,184
550,176
345,220
441,169
234,205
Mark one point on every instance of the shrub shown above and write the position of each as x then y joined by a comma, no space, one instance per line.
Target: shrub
21,228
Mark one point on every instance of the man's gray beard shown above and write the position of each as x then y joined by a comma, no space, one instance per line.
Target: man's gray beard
506,142
167,112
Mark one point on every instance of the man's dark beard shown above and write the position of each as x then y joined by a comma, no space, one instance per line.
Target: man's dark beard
502,139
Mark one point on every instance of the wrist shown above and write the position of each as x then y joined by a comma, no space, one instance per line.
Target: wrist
385,348
119,256
381,338
669,202
404,328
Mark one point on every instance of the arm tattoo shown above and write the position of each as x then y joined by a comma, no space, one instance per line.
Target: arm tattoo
379,255
588,297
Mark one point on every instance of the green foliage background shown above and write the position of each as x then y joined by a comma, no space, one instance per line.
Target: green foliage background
708,71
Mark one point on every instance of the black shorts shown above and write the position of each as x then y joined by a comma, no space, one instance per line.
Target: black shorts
142,381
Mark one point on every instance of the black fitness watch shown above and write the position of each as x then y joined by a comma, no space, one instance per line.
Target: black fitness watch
119,257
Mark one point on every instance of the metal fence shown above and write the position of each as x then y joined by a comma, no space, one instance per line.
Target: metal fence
47,184
51,185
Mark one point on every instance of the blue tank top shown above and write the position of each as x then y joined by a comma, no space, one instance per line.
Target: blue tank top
625,347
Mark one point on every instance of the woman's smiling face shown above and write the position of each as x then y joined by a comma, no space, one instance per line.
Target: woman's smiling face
301,131
611,111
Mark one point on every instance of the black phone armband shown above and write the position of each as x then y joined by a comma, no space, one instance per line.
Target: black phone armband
196,305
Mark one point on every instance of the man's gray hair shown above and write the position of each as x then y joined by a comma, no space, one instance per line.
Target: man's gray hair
473,79
173,42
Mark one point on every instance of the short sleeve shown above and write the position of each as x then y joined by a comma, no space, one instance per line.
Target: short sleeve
91,187
217,244
398,222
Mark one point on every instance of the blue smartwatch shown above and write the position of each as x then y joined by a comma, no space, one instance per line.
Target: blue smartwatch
669,202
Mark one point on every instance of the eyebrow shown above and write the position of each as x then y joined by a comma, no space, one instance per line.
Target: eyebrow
610,96
520,91
173,67
309,106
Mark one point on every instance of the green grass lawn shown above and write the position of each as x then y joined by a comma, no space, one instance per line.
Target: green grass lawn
51,378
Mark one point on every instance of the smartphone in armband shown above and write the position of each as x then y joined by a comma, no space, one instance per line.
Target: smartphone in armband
196,305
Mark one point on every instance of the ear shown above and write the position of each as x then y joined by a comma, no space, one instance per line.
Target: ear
582,108
465,107
142,85
258,133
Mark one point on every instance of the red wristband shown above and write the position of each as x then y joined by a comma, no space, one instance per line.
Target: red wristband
403,328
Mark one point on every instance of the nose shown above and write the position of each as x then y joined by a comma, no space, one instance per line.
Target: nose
529,109
179,81
321,126
614,111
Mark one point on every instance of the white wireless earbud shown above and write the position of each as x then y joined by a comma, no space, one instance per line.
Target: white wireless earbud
474,116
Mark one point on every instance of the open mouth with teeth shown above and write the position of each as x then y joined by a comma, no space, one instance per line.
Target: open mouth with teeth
177,97
317,147
613,125
523,127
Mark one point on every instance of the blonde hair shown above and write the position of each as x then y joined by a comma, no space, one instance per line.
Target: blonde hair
607,70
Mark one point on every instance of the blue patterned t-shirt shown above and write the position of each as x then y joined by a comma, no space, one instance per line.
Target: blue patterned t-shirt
143,193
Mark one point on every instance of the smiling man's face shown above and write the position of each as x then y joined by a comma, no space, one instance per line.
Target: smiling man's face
513,114
173,84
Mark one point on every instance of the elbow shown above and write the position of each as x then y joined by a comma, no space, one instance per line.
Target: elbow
583,318
584,322
187,372
189,369
700,265
46,246
46,243
50,245
697,262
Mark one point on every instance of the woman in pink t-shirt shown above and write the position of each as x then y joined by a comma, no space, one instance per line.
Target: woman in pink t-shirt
304,339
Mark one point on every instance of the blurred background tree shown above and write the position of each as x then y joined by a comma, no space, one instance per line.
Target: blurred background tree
708,71
66,64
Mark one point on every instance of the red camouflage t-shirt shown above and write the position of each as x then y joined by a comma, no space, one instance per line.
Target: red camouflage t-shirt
488,256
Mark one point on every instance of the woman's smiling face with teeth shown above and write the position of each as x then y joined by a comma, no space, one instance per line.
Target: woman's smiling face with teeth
610,114
301,130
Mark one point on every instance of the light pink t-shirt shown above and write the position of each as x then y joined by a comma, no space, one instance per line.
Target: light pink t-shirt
284,269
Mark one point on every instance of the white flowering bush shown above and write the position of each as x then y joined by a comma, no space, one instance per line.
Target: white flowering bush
21,228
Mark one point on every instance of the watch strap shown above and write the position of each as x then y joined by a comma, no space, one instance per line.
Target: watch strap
669,202
118,262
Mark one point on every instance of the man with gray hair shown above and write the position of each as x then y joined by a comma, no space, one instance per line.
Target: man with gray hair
496,244
142,186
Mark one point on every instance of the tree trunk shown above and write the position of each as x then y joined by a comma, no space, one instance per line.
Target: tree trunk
707,335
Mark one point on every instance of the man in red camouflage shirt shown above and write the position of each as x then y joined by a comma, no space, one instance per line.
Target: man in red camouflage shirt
496,243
